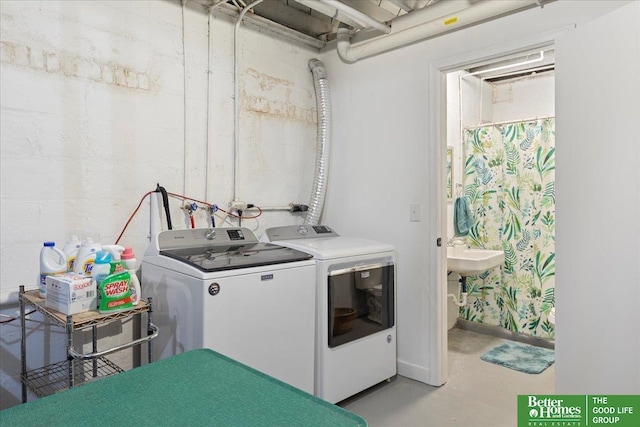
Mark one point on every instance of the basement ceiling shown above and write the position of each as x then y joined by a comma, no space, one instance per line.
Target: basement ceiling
317,26
302,18
316,22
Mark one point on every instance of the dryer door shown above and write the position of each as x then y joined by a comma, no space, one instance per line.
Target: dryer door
361,301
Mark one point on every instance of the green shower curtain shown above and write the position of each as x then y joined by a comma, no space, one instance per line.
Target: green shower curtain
509,181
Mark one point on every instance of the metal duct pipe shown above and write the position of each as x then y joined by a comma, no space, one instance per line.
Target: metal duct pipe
323,106
477,13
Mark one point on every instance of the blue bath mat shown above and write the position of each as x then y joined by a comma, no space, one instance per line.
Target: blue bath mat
521,357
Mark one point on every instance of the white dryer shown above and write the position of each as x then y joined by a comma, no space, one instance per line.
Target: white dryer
223,289
355,330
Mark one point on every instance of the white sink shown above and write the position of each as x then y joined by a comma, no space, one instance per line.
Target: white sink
468,262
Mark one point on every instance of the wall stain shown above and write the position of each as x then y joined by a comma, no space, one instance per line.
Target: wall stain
267,82
278,109
74,66
280,106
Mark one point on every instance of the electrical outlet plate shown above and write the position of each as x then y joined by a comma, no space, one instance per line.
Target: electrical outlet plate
237,205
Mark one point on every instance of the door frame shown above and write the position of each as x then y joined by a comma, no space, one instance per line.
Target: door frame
437,107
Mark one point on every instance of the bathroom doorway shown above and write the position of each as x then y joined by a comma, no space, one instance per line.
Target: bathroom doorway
498,154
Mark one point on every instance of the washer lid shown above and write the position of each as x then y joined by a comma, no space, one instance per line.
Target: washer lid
323,242
220,258
337,247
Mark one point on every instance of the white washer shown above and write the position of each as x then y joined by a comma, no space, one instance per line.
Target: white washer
355,278
223,289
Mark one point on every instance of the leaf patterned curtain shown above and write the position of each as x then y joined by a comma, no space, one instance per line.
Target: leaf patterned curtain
509,181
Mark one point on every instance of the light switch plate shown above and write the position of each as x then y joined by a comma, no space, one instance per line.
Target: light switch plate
414,212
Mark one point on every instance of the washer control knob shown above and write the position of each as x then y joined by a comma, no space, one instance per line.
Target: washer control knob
210,234
214,289
302,230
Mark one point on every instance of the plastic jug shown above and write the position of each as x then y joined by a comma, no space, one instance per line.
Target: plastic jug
129,259
52,262
86,257
101,266
71,250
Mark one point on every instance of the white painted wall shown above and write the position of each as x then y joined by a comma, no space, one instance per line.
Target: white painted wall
524,98
383,155
598,168
92,117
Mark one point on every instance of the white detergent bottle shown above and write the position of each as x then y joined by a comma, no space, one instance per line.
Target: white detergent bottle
52,262
71,250
129,259
86,257
101,266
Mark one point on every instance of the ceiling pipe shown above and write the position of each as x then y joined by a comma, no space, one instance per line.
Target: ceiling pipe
474,14
346,14
359,16
327,10
236,102
429,13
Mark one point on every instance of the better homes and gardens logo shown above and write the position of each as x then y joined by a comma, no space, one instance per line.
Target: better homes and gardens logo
578,410
552,410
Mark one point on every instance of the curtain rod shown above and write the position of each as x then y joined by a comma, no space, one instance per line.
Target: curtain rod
531,71
504,67
508,122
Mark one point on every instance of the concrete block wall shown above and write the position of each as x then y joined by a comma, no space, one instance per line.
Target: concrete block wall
92,105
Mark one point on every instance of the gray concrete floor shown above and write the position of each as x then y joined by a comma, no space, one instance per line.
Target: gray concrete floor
477,393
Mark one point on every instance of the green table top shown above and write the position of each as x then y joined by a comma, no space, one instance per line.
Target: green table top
196,388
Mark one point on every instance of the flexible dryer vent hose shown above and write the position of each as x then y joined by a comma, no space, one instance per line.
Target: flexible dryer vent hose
323,106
